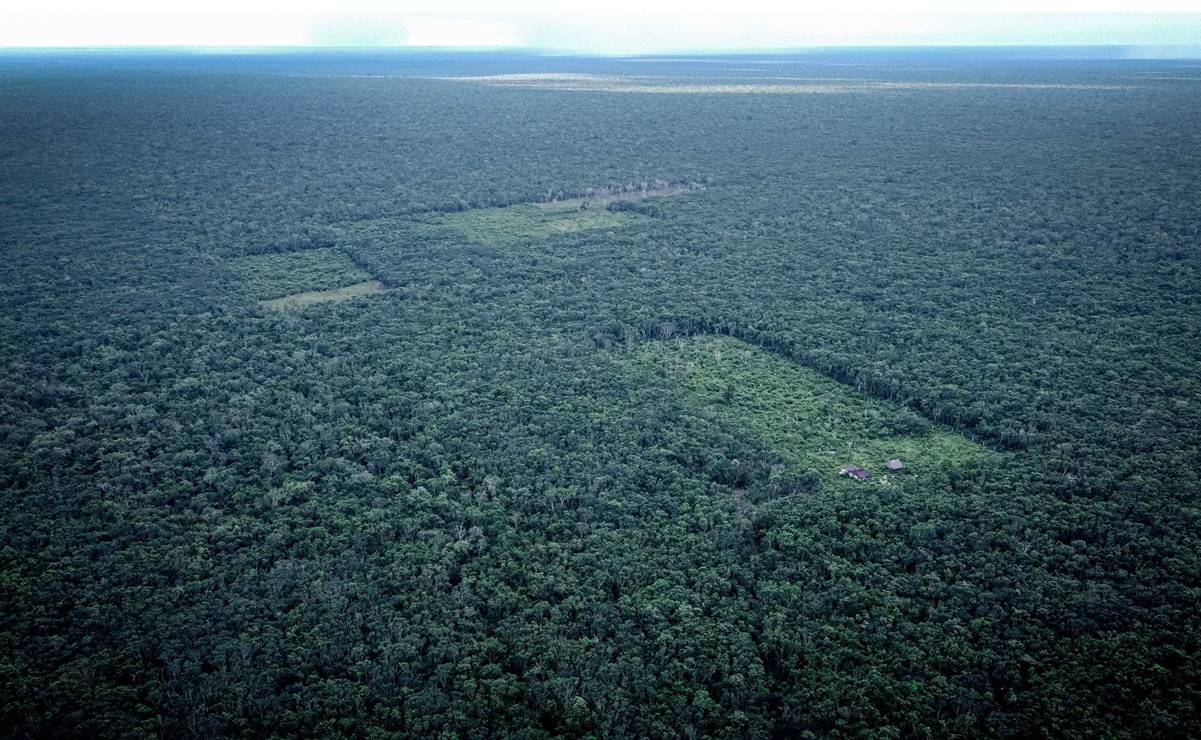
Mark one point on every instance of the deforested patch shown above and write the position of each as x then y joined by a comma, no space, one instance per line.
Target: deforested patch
269,276
308,298
825,430
514,225
602,197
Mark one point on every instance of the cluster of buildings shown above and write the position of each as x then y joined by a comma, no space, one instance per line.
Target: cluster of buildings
861,474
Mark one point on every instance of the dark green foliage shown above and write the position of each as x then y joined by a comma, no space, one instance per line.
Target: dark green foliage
270,276
468,505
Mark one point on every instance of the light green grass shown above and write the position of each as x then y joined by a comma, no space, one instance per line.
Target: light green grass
528,222
812,421
300,300
273,275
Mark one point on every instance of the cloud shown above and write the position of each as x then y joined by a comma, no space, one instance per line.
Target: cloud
371,29
464,31
610,27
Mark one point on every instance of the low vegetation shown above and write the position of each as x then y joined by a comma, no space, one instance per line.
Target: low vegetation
602,197
517,224
308,298
271,276
818,425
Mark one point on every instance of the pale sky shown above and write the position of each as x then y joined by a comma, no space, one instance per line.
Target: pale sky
604,26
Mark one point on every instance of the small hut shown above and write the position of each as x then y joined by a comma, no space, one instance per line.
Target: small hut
894,465
855,472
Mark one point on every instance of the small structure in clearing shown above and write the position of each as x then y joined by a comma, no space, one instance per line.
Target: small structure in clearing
602,197
855,472
894,464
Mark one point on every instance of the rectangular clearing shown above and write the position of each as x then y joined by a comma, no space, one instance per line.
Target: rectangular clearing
515,225
266,276
601,199
300,300
812,421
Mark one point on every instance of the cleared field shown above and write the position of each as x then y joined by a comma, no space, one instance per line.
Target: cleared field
273,275
817,423
300,300
600,200
514,225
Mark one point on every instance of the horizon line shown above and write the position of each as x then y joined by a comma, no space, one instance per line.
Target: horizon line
1195,48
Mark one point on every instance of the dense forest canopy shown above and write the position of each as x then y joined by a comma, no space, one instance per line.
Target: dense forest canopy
483,395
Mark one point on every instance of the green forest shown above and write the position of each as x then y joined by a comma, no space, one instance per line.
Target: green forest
482,395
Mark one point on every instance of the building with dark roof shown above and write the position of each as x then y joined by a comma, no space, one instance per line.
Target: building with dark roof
855,472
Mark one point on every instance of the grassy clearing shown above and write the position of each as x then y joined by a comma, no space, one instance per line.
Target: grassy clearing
814,422
273,275
603,200
518,224
300,300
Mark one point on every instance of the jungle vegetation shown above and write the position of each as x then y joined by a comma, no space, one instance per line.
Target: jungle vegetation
345,398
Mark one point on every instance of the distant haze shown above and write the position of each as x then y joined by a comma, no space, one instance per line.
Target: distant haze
1153,29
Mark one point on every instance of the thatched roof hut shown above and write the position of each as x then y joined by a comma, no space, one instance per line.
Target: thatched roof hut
855,472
